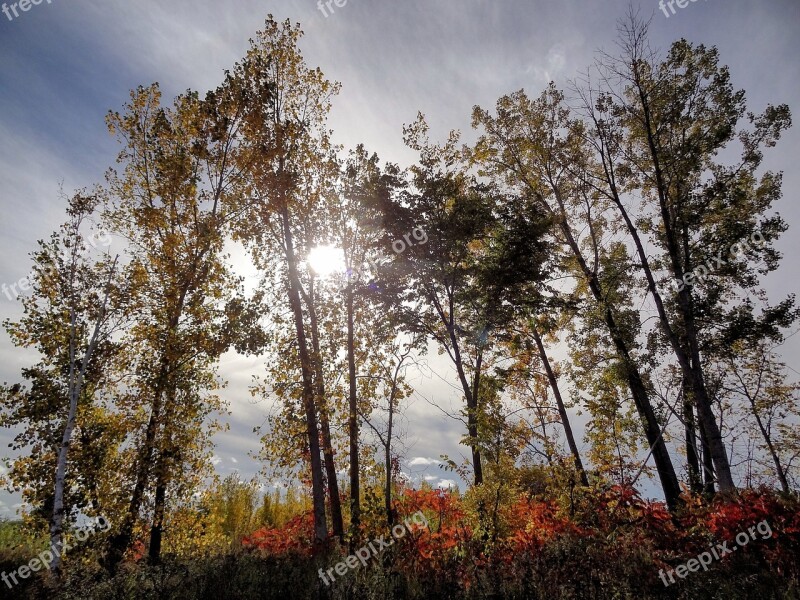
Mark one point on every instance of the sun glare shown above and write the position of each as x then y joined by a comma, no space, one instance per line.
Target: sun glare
326,260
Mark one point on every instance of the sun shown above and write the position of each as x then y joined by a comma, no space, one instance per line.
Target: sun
326,260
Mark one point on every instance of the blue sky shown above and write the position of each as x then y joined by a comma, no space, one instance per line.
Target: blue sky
65,64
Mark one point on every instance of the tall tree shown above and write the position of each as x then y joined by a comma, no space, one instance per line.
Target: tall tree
357,227
70,319
531,146
656,129
483,252
287,108
171,202
77,375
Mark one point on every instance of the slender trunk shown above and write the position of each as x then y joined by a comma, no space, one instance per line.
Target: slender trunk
666,472
472,429
194,276
162,473
447,318
388,462
686,307
692,459
355,483
337,522
708,464
641,399
390,513
120,542
470,394
716,446
317,481
562,411
57,521
75,387
688,358
770,446
157,528
472,418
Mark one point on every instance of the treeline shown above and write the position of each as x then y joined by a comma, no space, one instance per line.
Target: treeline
626,221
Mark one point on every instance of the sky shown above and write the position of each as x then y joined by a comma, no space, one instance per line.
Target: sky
64,64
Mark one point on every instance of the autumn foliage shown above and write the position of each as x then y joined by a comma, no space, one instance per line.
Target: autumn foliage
634,537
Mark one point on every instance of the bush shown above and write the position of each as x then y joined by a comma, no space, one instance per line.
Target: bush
610,544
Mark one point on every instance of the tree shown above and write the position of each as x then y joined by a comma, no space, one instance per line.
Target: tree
287,107
483,253
532,146
656,129
525,362
172,203
357,228
77,374
756,378
69,304
391,376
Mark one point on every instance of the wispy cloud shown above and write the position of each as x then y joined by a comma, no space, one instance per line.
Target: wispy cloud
421,461
392,58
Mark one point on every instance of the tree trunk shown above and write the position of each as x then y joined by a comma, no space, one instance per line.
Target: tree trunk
666,472
157,529
337,522
75,387
471,398
688,357
472,418
163,464
317,482
562,411
692,459
388,461
686,307
708,464
355,483
120,542
390,513
57,520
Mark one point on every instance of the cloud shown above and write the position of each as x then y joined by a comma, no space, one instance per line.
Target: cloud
446,484
555,61
421,461
116,45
